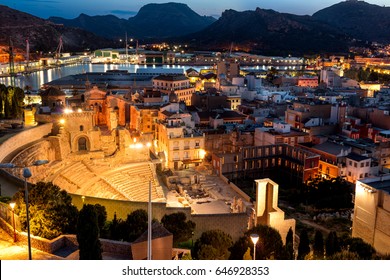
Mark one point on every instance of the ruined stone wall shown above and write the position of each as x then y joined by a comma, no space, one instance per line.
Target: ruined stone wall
233,224
121,207
23,138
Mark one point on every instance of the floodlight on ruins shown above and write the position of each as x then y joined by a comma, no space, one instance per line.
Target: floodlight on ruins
202,153
136,146
26,174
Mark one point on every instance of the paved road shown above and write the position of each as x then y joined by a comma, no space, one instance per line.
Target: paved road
19,251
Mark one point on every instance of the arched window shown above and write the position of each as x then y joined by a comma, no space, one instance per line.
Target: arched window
82,142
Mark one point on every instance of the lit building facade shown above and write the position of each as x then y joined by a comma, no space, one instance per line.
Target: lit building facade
177,84
371,218
178,143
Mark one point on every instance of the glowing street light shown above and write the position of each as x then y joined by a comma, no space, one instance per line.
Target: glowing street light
26,174
12,205
255,238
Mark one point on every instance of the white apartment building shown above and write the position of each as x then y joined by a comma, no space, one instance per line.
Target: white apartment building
357,167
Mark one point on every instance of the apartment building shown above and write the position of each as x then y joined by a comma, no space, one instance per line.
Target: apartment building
179,144
177,84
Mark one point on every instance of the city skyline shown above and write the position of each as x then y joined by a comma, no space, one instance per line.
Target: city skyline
71,8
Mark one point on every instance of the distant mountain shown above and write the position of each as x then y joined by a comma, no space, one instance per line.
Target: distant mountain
43,35
361,20
152,21
108,26
270,32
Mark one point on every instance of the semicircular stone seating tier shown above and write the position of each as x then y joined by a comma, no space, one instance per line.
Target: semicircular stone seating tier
126,182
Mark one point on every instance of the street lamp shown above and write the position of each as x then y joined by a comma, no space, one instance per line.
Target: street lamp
150,238
26,174
12,205
255,238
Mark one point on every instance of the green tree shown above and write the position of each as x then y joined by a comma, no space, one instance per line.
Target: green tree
136,224
88,234
304,245
51,210
11,101
373,76
269,245
329,193
101,216
364,250
344,255
290,245
186,257
332,244
318,246
113,231
212,245
362,74
180,228
3,96
247,255
17,102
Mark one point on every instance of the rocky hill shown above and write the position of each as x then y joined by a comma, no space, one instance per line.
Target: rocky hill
270,32
43,35
265,31
152,21
361,20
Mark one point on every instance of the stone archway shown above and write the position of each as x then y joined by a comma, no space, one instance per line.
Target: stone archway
82,144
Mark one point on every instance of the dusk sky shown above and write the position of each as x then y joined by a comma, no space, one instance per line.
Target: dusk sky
127,8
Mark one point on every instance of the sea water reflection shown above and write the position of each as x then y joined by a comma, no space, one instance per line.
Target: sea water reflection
36,79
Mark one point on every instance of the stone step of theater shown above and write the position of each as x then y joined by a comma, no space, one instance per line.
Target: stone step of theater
133,182
129,181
